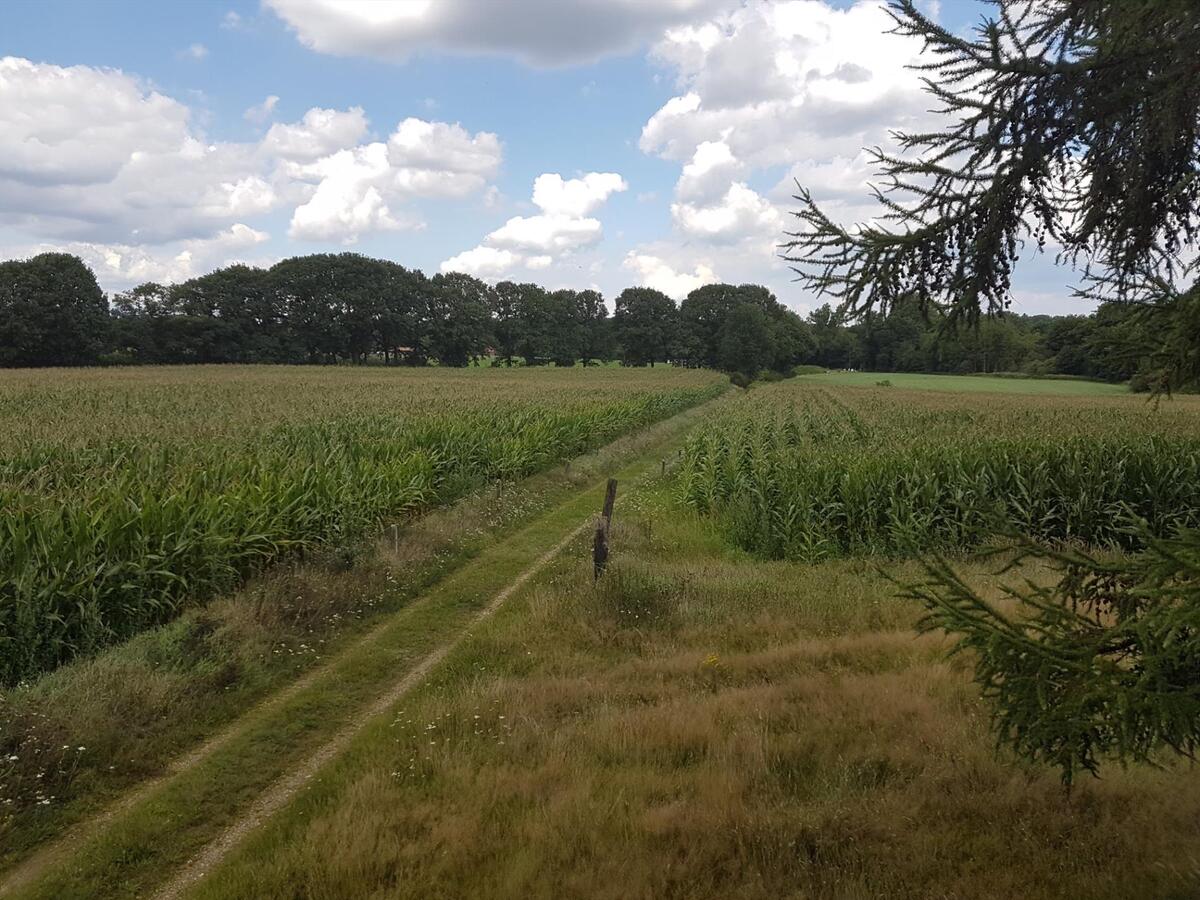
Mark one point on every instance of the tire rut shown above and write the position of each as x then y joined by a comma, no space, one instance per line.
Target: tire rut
284,789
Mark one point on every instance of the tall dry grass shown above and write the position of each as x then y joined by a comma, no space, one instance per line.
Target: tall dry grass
702,724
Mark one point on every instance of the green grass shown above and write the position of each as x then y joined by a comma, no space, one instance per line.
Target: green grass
705,725
140,846
129,495
702,723
972,383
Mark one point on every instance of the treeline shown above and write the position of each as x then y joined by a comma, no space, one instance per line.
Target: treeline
1111,344
348,308
328,308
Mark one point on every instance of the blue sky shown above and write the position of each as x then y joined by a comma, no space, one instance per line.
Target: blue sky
661,135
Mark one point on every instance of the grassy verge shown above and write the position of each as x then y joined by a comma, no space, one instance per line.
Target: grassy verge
140,845
1003,384
707,725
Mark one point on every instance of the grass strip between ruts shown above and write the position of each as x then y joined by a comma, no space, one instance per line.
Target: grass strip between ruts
142,846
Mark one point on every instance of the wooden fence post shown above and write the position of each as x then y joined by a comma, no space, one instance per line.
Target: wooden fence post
600,543
610,497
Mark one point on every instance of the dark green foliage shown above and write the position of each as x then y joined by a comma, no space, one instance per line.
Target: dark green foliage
741,328
244,312
334,308
1104,662
550,326
1077,122
52,312
403,319
1113,344
745,341
566,328
595,341
702,316
1157,344
646,324
506,330
459,324
792,341
836,346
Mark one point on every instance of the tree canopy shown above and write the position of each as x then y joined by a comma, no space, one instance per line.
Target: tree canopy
52,312
1073,124
347,308
646,324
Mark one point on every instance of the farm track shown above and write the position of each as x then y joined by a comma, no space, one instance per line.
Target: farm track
41,861
164,835
283,790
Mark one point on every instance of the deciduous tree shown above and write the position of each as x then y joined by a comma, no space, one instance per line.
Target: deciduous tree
52,312
646,324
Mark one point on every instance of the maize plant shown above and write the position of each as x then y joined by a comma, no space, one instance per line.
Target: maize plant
125,495
805,472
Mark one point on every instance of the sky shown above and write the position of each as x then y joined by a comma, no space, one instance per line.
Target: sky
587,144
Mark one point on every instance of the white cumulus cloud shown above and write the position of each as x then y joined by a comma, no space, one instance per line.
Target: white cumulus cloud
483,262
576,197
562,228
128,264
709,173
539,32
96,158
260,112
550,234
195,52
763,86
440,159
79,125
712,206
356,188
347,201
320,133
95,155
654,272
787,81
737,215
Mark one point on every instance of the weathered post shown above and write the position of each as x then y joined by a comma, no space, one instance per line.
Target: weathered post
610,497
600,543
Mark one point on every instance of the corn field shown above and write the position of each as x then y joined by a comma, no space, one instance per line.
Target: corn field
128,494
807,472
